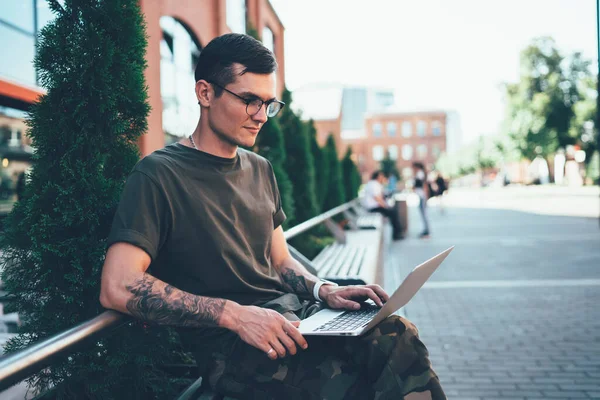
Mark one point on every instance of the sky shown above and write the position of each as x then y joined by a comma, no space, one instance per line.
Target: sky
435,54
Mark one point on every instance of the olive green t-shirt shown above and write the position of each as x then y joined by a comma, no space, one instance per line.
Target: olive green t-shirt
206,222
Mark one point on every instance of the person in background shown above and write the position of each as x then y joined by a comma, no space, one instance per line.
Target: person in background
374,201
441,188
422,190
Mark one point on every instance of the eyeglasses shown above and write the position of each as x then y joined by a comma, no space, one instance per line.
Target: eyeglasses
253,105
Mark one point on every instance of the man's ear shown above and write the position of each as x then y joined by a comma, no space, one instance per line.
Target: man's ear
204,93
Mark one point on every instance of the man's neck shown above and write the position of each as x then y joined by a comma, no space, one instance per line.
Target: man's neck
204,139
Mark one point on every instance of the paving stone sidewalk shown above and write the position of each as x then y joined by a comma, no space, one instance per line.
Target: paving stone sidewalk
514,312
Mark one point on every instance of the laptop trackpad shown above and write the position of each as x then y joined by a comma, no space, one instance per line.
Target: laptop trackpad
308,325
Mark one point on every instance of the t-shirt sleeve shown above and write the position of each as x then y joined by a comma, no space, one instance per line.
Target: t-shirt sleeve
142,215
279,216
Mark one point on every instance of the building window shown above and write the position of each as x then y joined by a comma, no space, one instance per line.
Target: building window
267,39
391,129
18,33
406,129
407,152
19,14
236,15
407,173
18,66
377,129
393,152
179,52
377,153
436,128
422,151
421,127
435,150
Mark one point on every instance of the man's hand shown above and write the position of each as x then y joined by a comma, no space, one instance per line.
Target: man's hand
267,330
350,297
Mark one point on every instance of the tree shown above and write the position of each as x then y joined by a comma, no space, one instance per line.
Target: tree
541,105
270,144
335,190
388,166
299,161
85,131
321,167
351,176
584,127
593,168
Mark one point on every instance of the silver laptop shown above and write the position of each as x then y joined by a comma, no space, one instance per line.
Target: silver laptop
331,322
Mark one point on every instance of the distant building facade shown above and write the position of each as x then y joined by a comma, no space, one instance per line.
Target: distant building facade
177,31
405,138
364,120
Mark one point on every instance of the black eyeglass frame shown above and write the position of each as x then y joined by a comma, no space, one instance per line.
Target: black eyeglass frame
248,102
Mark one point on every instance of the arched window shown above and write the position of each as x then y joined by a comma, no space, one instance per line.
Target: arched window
268,39
179,52
406,129
377,129
407,152
391,129
378,153
421,128
235,15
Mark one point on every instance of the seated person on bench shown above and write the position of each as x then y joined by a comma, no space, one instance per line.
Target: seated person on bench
374,201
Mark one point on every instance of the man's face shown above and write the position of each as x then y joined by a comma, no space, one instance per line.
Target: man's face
227,114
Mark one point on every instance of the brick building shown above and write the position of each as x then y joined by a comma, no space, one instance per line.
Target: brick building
177,30
363,119
405,137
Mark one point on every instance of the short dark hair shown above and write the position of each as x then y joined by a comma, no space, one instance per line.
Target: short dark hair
215,63
376,174
418,165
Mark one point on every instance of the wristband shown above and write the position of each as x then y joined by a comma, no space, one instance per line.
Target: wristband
318,286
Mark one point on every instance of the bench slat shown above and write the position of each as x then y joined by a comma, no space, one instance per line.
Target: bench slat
321,258
348,261
358,262
334,261
334,264
323,264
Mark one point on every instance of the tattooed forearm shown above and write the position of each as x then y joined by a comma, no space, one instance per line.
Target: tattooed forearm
293,281
158,302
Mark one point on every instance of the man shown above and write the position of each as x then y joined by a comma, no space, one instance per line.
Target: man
374,202
197,243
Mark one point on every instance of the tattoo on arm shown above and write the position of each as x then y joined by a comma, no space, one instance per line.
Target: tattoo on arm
161,303
294,282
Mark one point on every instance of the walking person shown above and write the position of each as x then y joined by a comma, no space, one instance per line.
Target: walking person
421,188
441,189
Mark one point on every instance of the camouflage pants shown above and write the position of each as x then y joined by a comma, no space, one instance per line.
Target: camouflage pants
389,362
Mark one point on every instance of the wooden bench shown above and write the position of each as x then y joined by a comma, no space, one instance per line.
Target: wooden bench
359,218
355,258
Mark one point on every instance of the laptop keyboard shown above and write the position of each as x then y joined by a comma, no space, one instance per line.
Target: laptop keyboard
349,321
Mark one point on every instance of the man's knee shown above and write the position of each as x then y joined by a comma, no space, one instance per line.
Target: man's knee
397,326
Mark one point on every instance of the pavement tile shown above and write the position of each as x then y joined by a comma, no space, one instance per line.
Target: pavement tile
539,341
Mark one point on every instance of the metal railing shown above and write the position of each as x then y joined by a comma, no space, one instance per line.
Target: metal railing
319,219
18,366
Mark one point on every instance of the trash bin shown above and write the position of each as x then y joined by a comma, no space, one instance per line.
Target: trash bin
401,212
